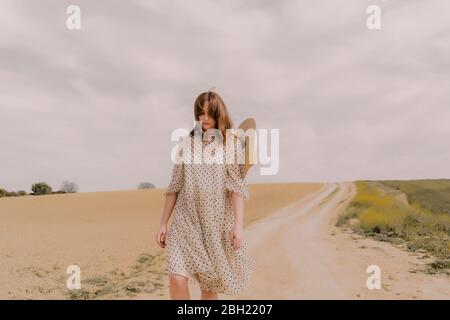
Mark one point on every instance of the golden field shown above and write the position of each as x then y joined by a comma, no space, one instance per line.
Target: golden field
109,235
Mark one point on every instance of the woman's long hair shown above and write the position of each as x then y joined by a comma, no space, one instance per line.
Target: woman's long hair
216,109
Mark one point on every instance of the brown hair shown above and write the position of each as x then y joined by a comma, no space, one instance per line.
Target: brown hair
216,109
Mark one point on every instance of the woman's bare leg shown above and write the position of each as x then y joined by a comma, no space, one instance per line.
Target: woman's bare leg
179,287
208,295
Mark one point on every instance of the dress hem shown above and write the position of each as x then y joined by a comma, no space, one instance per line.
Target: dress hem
193,280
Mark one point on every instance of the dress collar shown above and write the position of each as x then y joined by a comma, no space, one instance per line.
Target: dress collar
211,135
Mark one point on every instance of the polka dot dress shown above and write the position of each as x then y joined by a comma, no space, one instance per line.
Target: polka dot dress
198,241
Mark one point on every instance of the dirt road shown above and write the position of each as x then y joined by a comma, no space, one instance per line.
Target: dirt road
300,254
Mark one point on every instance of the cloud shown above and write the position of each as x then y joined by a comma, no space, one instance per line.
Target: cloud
97,106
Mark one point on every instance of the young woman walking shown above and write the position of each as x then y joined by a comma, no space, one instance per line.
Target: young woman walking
205,242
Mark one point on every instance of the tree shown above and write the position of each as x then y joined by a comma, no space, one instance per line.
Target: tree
146,185
3,193
41,188
69,187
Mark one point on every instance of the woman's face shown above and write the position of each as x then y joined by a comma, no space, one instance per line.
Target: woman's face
207,121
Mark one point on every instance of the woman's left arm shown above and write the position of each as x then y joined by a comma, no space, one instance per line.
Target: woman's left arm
237,234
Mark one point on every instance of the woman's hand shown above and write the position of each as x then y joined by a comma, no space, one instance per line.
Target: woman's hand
237,236
161,236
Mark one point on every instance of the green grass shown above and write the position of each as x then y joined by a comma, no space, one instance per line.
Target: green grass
379,210
433,195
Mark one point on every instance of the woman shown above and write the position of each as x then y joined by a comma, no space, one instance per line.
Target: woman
205,240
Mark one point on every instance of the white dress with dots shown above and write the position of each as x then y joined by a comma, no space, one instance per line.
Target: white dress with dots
198,241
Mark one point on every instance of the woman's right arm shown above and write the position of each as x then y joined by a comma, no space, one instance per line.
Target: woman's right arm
171,194
169,204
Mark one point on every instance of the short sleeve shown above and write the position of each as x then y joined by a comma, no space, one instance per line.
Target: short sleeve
234,179
177,179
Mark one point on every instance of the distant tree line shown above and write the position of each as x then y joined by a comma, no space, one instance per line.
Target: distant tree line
146,185
41,188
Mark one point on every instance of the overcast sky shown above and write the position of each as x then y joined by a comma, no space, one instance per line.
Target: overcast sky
97,106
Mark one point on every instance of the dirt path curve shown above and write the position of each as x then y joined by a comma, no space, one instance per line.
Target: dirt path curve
300,254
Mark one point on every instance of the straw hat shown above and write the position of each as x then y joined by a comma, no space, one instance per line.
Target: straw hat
249,142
